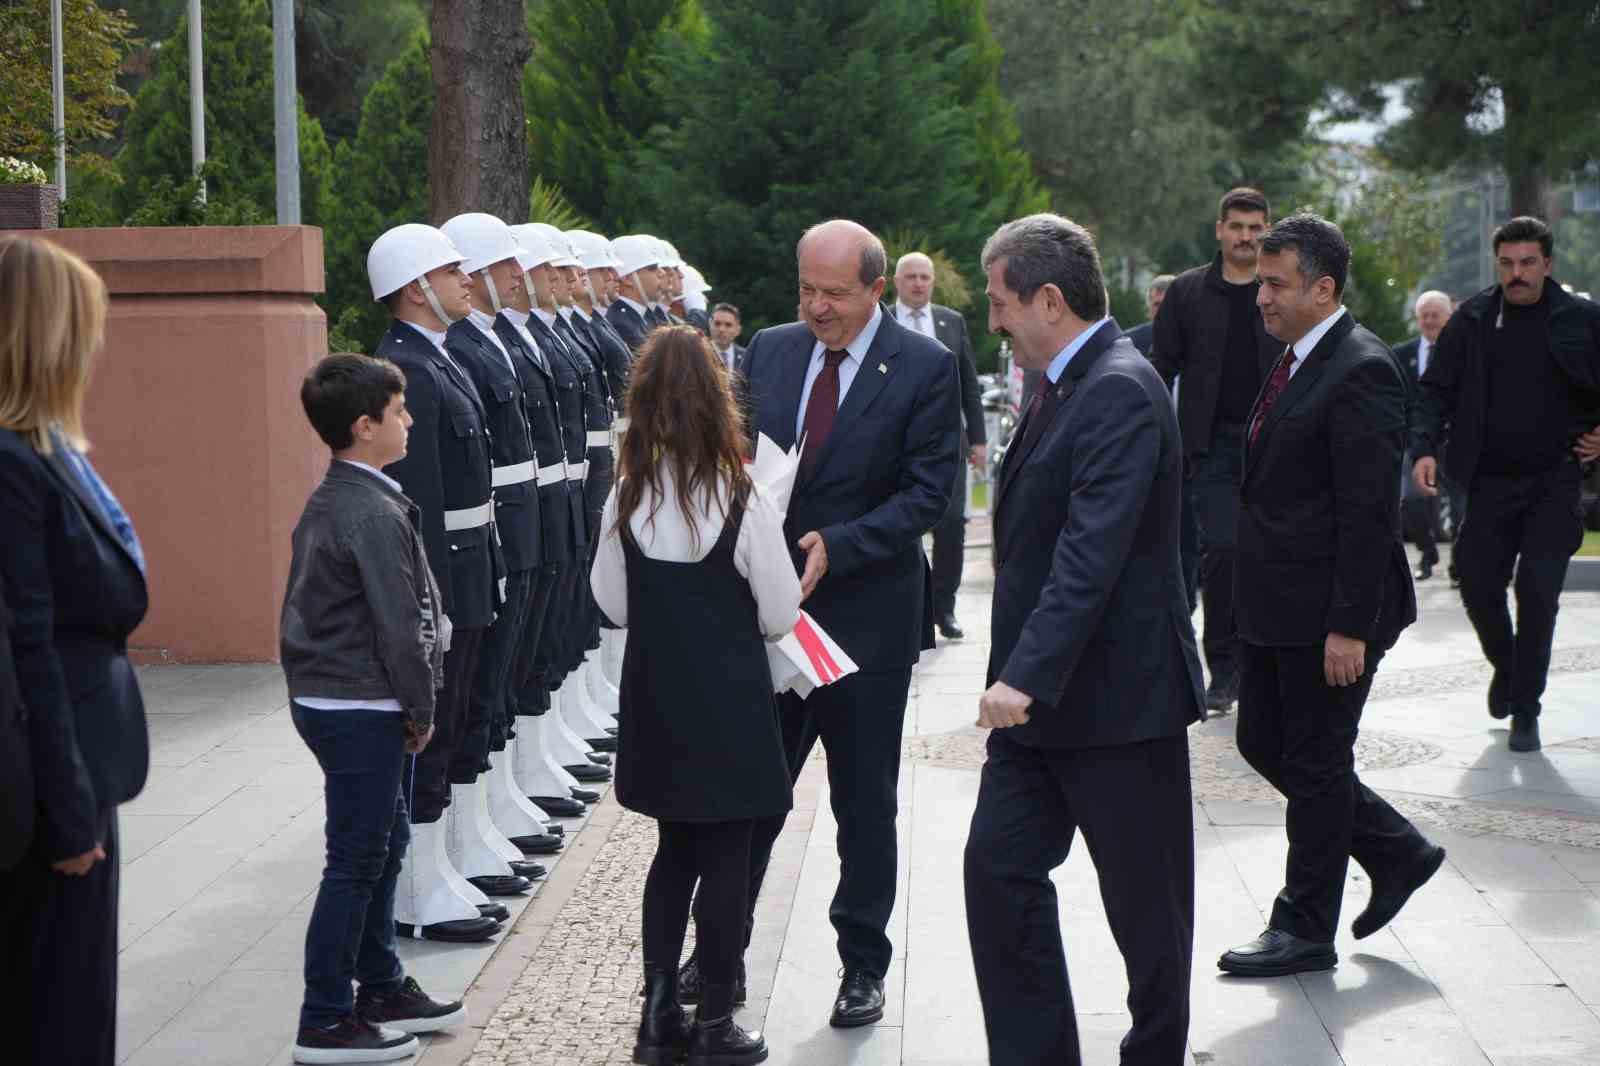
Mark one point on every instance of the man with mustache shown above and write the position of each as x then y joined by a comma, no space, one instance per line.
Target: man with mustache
1515,386
1210,332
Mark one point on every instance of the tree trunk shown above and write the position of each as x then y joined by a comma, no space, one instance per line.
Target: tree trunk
1523,156
478,145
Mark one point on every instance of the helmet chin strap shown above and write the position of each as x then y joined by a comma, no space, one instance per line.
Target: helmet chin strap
494,293
433,302
527,287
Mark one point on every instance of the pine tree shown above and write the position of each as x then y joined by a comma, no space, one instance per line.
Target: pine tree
793,113
590,91
239,121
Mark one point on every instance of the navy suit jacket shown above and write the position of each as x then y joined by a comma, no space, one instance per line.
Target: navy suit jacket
628,324
881,481
76,594
1091,616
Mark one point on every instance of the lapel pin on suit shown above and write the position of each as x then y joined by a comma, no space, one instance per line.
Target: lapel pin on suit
883,368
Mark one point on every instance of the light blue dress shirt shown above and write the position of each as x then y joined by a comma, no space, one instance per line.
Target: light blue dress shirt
1059,364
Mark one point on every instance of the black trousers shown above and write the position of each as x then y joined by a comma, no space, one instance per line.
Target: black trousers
1299,732
1530,525
486,720
60,947
950,542
1419,516
1132,804
1214,491
717,855
528,694
859,721
428,774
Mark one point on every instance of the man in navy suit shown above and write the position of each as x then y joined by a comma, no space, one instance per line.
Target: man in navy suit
1093,673
878,407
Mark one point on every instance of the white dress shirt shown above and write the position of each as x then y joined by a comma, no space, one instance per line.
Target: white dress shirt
1424,350
907,318
761,554
635,304
519,322
856,351
1304,345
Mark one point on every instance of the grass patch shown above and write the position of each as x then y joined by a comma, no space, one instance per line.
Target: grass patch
1591,543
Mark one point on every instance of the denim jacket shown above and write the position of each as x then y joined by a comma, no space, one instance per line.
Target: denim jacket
359,617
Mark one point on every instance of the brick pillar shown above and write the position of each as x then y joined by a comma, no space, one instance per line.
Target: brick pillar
195,419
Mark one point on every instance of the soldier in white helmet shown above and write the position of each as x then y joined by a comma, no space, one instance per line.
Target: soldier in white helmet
671,284
638,284
416,273
597,263
691,302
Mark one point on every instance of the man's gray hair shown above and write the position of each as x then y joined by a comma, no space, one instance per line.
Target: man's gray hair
1432,296
1048,249
1161,282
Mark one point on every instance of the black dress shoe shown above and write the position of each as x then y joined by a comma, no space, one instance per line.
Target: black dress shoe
599,758
495,912
1500,695
860,1000
588,771
1390,893
531,870
585,795
1524,732
538,843
948,628
559,806
463,931
500,884
605,743
611,729
717,1040
1222,693
689,982
1276,953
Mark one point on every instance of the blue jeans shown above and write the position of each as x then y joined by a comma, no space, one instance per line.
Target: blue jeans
351,934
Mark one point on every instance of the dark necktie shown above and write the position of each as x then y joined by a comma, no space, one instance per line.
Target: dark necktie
1275,386
1046,398
821,406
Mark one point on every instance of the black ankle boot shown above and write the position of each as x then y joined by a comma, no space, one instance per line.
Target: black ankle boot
663,1024
718,1040
689,982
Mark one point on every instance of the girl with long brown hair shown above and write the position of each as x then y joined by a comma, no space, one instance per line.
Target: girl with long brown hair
693,562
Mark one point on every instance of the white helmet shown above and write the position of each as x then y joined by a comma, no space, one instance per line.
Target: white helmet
636,251
565,257
694,282
484,239
670,256
593,251
536,250
405,253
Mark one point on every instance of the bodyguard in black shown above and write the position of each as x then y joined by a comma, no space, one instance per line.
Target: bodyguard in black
447,473
1515,385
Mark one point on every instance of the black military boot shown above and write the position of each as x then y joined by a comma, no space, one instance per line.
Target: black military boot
663,1024
689,982
717,1039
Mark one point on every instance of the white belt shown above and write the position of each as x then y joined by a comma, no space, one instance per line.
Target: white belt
619,426
515,474
469,517
578,471
599,438
553,474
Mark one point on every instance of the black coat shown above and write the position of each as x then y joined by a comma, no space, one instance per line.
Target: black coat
516,505
1190,337
447,468
1319,547
1141,336
16,760
1454,394
629,324
76,594
1091,614
559,516
618,359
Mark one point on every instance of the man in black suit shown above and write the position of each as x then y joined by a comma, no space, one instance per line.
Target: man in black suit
1419,513
1324,589
876,404
1142,334
1516,384
1093,674
914,308
1210,333
725,327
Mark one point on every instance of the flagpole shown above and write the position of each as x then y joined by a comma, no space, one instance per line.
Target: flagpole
286,118
58,98
197,96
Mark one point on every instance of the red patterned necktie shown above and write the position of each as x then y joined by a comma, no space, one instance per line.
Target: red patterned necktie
821,406
1275,386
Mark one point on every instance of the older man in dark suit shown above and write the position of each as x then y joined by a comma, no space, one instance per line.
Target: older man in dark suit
1324,590
1419,514
1094,676
876,404
914,308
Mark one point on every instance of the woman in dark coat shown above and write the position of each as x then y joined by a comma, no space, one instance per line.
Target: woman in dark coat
73,571
693,563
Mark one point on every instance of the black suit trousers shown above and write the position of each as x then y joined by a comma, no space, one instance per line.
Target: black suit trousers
1530,525
1299,732
859,721
950,542
60,945
489,708
428,774
1132,804
1213,488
